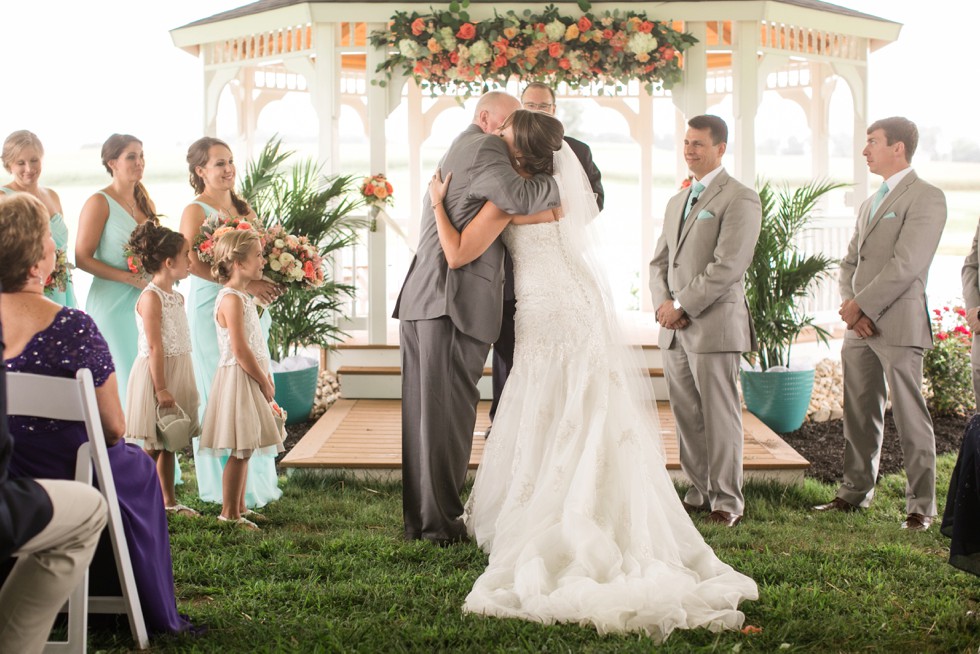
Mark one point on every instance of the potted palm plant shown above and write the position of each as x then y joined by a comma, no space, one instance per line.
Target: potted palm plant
776,282
323,210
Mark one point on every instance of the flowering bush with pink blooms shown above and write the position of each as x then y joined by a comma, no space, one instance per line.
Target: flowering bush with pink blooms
445,48
947,373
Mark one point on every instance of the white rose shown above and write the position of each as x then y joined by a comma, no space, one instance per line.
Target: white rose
286,258
275,265
296,273
555,30
641,42
280,243
480,52
411,49
446,38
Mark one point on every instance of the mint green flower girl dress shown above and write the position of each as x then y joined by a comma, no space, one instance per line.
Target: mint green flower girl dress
59,231
262,485
112,304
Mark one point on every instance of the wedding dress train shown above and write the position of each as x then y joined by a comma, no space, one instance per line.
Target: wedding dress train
573,501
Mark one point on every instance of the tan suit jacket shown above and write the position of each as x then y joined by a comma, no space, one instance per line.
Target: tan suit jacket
702,262
970,275
887,262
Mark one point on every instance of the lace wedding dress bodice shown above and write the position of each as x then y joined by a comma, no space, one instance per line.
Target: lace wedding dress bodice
552,288
253,331
173,325
572,499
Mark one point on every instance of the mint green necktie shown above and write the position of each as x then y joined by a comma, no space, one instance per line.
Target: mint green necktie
876,202
696,189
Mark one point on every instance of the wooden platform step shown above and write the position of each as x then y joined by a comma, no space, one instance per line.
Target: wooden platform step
396,370
363,438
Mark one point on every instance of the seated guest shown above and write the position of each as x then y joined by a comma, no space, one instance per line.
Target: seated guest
961,519
53,547
45,338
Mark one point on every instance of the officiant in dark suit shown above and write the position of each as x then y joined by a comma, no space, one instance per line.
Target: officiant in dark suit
536,97
450,317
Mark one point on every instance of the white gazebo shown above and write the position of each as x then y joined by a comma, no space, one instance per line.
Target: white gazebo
799,49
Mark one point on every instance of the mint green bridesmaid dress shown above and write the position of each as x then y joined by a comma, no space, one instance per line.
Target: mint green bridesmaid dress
262,485
112,304
59,231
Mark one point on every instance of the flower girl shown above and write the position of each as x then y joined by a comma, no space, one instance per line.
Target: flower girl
240,417
162,380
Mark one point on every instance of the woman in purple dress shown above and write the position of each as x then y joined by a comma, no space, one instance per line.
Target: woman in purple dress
45,338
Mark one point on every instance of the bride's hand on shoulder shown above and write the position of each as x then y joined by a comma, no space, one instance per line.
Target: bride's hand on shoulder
438,187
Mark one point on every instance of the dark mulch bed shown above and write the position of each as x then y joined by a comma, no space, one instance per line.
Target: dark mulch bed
822,444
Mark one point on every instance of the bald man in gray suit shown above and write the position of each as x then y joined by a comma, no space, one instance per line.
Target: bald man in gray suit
883,284
449,318
696,275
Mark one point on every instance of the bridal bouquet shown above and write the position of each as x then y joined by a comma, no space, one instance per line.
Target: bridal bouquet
58,280
377,191
213,227
291,260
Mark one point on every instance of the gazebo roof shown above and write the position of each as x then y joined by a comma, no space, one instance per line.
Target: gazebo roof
267,5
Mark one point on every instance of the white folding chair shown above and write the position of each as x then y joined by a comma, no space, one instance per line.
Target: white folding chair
59,398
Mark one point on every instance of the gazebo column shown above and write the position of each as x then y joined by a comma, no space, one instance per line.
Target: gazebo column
856,77
325,95
690,97
822,83
745,98
377,104
215,81
649,227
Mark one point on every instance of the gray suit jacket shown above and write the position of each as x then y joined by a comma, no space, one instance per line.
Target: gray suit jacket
887,262
701,263
970,274
472,296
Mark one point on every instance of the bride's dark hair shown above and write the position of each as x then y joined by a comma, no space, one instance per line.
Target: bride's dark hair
537,137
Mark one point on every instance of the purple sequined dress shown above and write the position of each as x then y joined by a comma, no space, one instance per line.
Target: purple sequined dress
46,449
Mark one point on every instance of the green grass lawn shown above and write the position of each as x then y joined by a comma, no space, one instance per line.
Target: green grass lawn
330,573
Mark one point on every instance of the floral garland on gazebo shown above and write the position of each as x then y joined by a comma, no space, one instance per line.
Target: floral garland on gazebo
444,49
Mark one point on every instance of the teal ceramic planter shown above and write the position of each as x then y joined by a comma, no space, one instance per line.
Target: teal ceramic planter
296,392
779,398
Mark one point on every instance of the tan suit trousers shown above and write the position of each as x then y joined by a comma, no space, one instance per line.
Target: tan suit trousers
704,399
867,365
50,565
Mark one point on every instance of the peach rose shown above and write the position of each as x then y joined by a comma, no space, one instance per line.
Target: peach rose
466,31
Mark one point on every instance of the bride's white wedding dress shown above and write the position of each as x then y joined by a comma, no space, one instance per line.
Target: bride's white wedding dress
573,501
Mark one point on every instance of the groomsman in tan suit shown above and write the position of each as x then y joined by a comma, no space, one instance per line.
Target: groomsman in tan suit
883,286
971,297
709,237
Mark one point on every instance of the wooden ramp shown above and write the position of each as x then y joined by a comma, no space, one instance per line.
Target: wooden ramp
363,438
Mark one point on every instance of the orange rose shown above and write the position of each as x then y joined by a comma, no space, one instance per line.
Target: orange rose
555,50
380,192
243,226
418,26
584,24
433,46
466,31
646,27
564,63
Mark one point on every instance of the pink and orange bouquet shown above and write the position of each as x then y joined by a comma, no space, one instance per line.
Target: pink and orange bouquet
377,190
213,227
292,260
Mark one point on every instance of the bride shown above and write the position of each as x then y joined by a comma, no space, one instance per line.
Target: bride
572,501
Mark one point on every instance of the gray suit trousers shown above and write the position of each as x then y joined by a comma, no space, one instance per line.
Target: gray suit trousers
440,370
867,365
704,399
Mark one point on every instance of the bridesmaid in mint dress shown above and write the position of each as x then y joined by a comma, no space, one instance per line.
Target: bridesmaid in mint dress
22,157
106,222
212,175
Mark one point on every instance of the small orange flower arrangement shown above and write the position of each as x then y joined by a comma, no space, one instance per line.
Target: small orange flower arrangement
378,191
